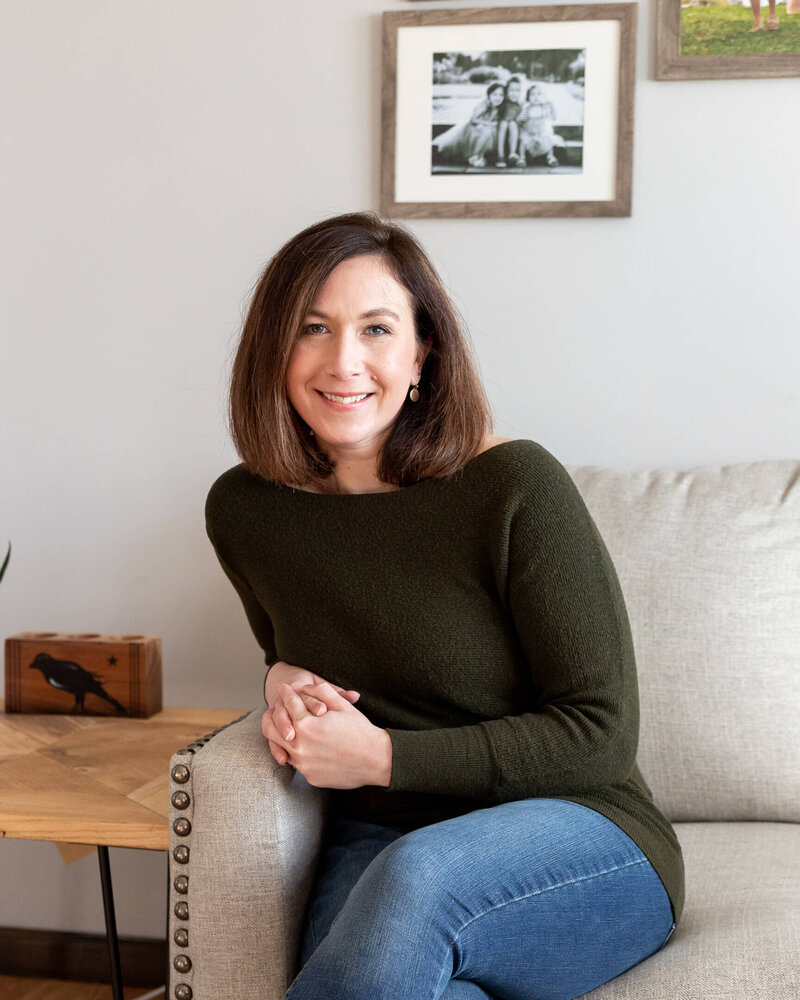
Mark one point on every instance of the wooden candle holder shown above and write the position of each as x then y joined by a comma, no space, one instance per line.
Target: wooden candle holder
86,674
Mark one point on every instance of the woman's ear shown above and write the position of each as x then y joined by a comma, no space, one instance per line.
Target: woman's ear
423,350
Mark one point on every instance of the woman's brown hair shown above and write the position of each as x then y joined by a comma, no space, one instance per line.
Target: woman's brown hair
433,437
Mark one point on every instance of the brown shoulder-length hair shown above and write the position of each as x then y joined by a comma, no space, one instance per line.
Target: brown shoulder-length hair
431,438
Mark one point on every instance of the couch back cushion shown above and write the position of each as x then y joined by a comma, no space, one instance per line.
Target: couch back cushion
709,563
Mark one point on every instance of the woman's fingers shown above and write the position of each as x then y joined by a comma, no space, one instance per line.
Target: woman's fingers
314,705
293,703
278,752
282,721
267,728
326,693
351,696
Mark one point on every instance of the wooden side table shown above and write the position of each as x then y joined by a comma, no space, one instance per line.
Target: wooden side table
97,780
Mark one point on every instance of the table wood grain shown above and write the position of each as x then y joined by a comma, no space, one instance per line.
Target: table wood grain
94,779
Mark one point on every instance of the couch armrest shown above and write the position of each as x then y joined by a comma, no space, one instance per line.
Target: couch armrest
241,871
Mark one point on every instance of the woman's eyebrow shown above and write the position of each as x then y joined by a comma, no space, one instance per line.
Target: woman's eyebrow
370,314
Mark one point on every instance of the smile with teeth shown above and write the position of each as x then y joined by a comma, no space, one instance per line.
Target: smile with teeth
345,399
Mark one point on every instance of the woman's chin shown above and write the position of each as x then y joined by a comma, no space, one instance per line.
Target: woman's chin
340,445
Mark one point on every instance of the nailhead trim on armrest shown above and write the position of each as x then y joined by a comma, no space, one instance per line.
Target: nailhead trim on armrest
181,816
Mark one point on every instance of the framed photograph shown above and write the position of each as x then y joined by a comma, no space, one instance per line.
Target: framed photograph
509,111
727,39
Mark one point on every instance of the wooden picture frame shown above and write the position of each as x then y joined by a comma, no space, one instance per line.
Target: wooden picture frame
673,64
567,156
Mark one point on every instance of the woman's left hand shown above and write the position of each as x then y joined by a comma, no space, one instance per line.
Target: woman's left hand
339,749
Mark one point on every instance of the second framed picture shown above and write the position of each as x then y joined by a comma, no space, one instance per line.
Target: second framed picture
727,39
515,111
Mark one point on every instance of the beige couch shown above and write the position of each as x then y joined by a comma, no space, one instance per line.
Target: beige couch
709,561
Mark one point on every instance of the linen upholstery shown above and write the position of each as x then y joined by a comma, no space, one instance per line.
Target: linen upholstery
256,831
709,563
739,937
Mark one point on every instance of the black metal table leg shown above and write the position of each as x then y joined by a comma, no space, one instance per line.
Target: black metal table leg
111,923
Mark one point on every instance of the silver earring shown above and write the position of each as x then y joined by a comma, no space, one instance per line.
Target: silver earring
413,394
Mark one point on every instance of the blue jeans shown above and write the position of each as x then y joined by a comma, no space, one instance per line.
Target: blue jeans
539,899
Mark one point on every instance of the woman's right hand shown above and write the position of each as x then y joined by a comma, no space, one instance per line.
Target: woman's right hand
284,673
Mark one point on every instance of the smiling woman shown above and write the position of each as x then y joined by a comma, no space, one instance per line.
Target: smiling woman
447,646
353,306
349,375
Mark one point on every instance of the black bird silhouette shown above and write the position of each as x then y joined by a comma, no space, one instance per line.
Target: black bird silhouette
73,678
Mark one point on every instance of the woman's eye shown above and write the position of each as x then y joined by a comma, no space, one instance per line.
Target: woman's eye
314,328
377,330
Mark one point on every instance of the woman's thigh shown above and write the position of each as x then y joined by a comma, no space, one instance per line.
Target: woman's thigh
529,900
560,901
348,848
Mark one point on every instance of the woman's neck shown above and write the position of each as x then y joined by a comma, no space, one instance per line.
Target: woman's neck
355,472
344,480
358,473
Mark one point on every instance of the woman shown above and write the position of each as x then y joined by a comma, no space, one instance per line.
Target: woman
447,645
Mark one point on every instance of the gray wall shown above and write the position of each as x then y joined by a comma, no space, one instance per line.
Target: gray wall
154,154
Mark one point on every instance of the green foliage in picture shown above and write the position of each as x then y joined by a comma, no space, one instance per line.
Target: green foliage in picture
725,30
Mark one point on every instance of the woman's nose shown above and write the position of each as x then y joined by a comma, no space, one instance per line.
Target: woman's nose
345,358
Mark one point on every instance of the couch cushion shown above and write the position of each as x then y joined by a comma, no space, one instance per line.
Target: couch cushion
709,562
739,937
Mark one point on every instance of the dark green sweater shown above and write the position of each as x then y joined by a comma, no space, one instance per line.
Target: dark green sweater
481,619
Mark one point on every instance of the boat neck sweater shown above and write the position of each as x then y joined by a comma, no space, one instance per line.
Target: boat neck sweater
481,619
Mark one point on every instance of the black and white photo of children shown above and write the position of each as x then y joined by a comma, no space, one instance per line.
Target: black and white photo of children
508,112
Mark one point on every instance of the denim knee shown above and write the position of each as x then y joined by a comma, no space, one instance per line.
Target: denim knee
408,870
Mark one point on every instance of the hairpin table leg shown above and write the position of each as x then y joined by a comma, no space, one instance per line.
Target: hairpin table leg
111,923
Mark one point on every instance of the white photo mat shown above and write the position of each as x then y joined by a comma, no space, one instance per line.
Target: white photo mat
416,46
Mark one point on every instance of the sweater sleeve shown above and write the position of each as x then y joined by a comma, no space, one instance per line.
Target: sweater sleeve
569,614
257,616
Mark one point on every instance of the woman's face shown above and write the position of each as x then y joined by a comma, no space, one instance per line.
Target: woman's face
496,97
513,91
353,362
535,95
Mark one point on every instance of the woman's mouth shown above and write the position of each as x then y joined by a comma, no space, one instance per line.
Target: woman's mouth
344,400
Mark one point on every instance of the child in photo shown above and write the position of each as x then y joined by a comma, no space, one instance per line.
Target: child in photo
508,130
471,141
536,134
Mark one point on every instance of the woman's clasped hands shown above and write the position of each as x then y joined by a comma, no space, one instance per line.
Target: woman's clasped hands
314,726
